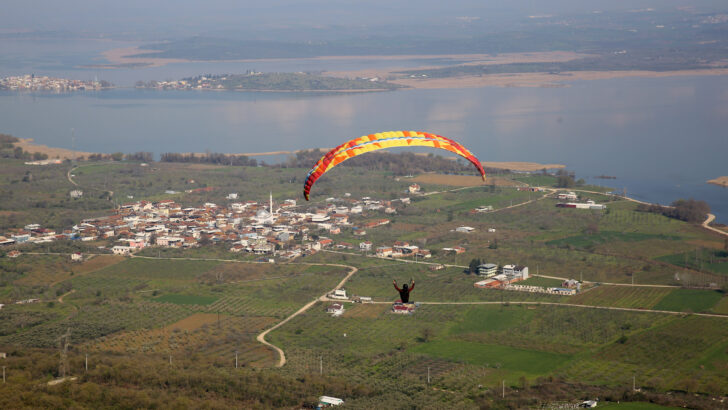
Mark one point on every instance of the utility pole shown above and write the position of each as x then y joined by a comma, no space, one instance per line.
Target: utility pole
321,364
170,359
3,374
503,394
63,342
236,359
428,374
633,383
87,363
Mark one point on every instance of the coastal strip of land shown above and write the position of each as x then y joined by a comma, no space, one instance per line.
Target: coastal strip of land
720,181
27,144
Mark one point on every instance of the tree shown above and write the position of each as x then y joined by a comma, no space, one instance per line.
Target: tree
473,266
564,179
117,156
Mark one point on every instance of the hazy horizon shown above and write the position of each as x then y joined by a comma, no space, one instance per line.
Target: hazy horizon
288,19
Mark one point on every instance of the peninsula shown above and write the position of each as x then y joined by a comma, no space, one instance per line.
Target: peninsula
720,181
258,81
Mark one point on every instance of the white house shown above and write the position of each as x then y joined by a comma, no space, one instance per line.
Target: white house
76,257
508,270
365,246
336,309
121,250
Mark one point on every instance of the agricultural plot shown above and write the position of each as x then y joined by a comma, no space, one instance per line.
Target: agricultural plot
520,361
621,296
197,335
49,270
549,328
669,356
721,307
91,286
689,300
710,260
94,321
158,271
186,299
587,241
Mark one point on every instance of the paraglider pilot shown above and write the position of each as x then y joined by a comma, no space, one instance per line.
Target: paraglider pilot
405,291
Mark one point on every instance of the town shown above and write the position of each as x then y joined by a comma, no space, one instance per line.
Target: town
30,82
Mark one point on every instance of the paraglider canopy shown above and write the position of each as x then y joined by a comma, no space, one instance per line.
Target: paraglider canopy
373,142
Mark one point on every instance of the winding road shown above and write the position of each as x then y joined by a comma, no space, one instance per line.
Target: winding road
322,298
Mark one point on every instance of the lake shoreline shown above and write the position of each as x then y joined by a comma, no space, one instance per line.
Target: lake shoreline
27,144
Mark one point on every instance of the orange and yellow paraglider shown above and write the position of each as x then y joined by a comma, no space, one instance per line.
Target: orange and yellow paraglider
373,142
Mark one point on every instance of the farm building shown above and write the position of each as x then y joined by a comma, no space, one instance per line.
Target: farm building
578,205
569,196
338,294
464,229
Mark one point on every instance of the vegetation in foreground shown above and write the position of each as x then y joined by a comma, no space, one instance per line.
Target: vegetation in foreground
133,316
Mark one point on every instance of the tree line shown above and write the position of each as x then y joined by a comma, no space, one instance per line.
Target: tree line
209,158
688,210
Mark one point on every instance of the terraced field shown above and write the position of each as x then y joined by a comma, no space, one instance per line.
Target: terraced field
621,296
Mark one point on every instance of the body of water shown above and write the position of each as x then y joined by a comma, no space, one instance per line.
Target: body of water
661,137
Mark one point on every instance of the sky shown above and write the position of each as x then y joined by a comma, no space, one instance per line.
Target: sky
155,19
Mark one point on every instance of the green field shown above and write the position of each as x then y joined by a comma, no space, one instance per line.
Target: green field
621,296
483,319
158,270
689,300
710,260
585,241
530,362
186,299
